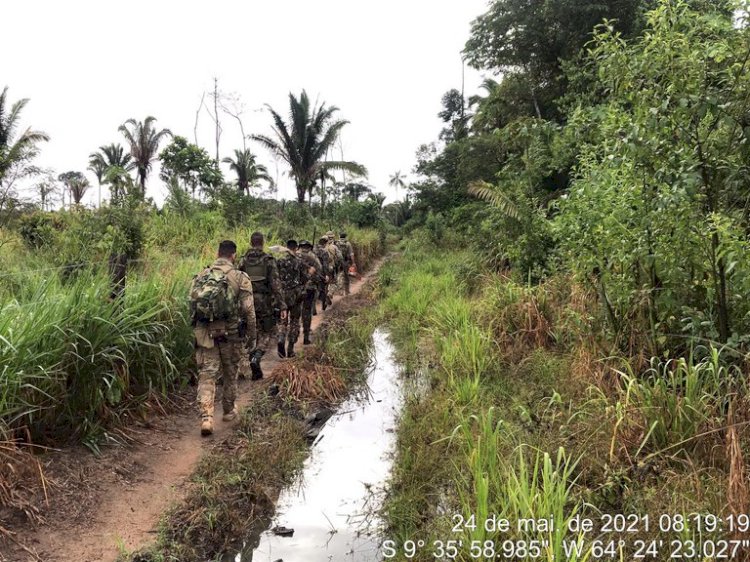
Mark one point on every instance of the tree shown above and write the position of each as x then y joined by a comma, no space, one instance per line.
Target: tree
144,142
46,187
396,181
660,208
532,37
454,114
103,160
16,152
304,141
355,190
77,185
248,171
189,164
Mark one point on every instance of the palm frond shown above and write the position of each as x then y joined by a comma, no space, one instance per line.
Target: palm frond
495,197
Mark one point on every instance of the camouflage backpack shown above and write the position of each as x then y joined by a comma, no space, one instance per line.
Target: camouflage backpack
325,259
211,298
290,272
346,249
255,264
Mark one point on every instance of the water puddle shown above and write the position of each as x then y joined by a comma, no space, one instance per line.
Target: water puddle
331,508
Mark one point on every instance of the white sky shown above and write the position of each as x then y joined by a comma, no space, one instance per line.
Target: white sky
88,65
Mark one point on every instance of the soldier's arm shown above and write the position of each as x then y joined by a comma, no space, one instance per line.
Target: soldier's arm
278,295
247,308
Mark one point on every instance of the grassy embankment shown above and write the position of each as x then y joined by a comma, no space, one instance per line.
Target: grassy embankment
233,491
527,414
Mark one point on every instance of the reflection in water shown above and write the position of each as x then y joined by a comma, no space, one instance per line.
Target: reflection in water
331,509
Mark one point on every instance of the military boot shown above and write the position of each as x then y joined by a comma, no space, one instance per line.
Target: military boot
281,350
290,350
306,341
255,366
207,425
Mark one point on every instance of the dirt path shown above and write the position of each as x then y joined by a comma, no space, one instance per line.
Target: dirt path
128,489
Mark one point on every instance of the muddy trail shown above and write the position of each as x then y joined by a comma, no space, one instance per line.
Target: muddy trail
94,507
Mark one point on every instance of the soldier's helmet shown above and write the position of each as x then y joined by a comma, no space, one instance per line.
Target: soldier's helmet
323,240
342,234
330,235
305,244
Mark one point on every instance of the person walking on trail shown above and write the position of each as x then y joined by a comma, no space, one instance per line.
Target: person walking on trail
268,297
312,286
327,273
223,317
337,261
293,277
348,256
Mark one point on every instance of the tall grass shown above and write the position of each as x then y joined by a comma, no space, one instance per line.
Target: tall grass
69,357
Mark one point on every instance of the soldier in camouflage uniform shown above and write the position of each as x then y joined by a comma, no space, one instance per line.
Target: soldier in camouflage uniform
293,276
267,295
218,344
337,259
314,275
327,272
348,253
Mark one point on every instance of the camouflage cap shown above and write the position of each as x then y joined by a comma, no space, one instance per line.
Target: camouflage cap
323,240
342,234
330,234
305,243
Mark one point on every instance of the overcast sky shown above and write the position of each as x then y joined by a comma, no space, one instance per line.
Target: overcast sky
87,66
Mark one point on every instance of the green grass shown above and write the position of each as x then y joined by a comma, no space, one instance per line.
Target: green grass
522,421
71,361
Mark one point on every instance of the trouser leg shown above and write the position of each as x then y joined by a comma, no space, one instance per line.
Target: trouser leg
209,367
230,352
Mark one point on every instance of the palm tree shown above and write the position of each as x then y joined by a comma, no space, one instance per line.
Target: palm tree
248,172
98,168
16,153
76,183
103,160
397,181
303,142
144,141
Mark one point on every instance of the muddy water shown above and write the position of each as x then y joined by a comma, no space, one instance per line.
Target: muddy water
331,508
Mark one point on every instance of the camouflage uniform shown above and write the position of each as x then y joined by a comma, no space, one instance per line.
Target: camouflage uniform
327,273
348,254
311,288
218,346
293,277
337,259
267,296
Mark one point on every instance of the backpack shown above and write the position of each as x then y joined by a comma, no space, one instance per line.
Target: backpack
211,298
345,248
290,273
256,266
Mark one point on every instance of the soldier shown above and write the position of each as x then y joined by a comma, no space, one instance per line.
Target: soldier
222,308
267,295
325,261
337,259
314,276
293,276
348,253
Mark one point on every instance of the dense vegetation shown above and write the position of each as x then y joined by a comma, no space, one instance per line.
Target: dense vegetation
581,319
94,316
